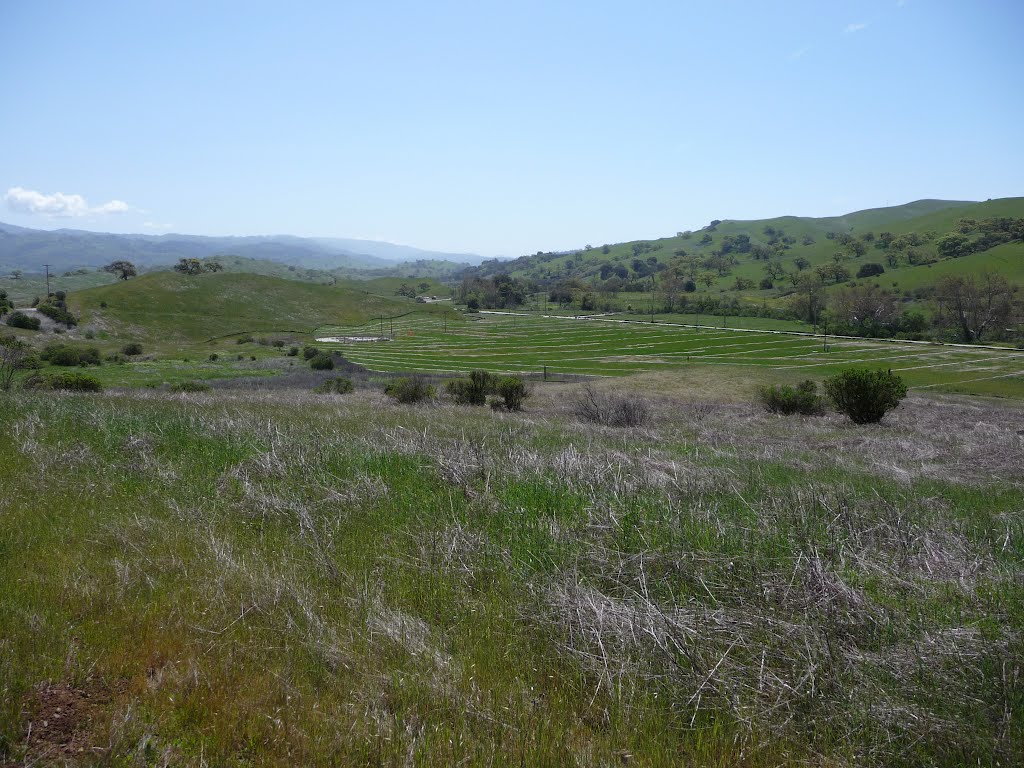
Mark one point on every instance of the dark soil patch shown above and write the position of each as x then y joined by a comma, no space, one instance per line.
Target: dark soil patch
67,724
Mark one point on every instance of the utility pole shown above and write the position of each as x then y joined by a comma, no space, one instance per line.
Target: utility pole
47,279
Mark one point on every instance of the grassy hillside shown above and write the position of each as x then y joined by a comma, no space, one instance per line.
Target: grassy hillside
171,306
31,286
793,238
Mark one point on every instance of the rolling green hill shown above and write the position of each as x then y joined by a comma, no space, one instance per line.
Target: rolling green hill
787,239
174,307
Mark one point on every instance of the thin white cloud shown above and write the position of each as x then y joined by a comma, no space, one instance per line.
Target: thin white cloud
799,53
114,206
851,28
57,205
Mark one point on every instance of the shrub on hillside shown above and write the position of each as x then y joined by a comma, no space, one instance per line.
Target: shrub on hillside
865,395
21,320
338,386
803,399
322,362
512,392
190,386
410,389
870,270
245,338
67,355
293,351
132,348
68,382
309,352
474,389
58,314
611,410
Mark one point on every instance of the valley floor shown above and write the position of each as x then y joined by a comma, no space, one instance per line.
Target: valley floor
282,578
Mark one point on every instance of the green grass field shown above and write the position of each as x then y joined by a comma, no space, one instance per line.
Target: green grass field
608,347
282,578
167,308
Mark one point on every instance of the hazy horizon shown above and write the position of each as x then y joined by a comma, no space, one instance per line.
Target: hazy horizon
499,130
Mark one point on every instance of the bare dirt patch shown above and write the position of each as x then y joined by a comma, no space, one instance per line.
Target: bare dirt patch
67,724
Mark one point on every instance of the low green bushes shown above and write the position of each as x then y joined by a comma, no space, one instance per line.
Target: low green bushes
67,382
309,352
865,395
322,362
803,399
410,389
69,355
58,314
190,386
512,392
338,386
474,389
21,320
132,348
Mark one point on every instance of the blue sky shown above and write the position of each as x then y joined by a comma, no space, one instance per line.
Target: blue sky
499,128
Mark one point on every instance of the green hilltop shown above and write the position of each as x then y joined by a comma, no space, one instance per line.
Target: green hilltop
913,264
171,306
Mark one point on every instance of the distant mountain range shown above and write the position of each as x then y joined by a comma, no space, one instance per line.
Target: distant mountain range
28,250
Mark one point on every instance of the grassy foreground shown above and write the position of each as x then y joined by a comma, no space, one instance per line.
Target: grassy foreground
283,578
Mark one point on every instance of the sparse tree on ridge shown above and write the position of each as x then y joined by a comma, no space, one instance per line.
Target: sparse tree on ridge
123,269
189,266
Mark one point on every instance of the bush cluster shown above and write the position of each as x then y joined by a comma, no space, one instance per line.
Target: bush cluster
338,386
309,352
67,355
67,382
190,386
474,389
21,320
410,389
132,348
245,338
803,399
58,313
512,392
865,395
322,362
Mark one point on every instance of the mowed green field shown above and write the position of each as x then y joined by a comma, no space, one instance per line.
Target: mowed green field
609,347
